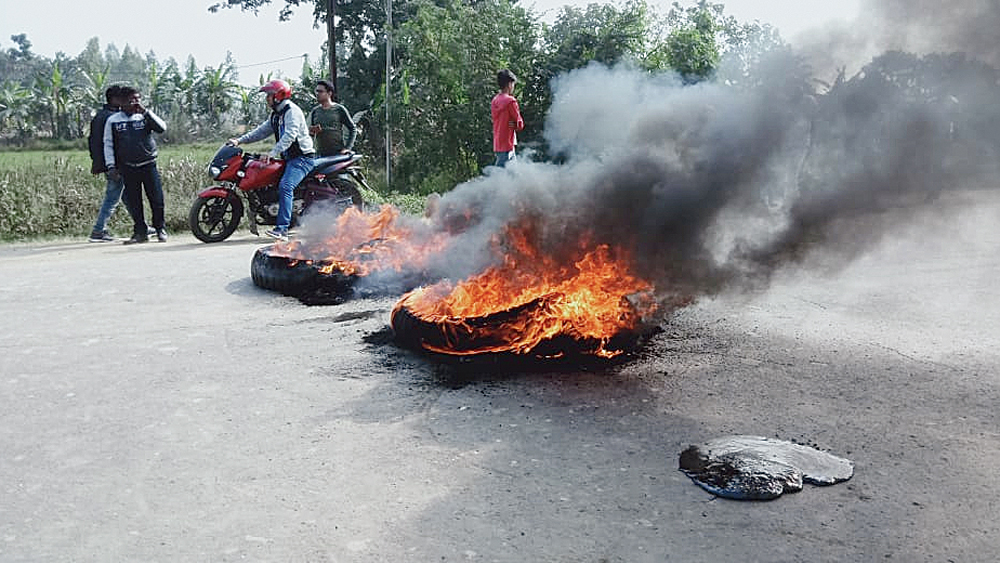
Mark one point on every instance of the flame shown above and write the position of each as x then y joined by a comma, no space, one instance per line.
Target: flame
362,244
529,302
535,298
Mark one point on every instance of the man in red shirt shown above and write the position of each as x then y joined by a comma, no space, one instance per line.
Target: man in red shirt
507,119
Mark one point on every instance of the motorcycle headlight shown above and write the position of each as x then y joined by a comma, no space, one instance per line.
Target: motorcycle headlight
214,171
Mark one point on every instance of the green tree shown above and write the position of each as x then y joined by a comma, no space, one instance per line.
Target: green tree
745,47
360,45
157,95
691,47
112,56
446,56
450,51
604,33
53,93
132,69
90,60
248,107
360,39
185,84
217,91
91,97
15,110
23,51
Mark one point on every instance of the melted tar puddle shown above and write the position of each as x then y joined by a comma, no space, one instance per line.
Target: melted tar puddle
756,468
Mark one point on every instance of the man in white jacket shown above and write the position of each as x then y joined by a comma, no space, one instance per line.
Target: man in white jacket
292,142
130,155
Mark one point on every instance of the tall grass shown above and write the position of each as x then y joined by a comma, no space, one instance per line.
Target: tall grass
53,194
49,194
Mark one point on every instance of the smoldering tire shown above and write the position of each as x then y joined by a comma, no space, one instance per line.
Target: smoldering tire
301,279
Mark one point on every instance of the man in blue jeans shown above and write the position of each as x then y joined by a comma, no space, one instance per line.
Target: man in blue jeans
114,186
292,142
130,154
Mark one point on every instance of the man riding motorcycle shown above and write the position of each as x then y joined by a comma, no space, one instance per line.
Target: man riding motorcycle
292,143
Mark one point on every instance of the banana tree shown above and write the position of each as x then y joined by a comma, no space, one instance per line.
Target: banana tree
155,96
55,97
15,110
217,91
51,93
94,84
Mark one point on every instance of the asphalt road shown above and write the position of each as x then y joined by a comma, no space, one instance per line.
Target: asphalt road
156,406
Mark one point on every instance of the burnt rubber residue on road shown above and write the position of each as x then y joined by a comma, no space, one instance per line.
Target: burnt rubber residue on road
756,468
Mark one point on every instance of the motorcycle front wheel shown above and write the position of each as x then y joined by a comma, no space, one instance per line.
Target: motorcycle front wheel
215,218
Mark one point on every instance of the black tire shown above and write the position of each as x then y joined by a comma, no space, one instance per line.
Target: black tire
478,335
299,278
215,218
348,188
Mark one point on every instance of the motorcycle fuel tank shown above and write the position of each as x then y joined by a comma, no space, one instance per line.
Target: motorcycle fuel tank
259,175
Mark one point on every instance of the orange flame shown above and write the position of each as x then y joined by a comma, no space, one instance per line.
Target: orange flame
537,299
364,243
588,294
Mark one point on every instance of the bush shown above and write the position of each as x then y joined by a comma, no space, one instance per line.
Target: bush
51,193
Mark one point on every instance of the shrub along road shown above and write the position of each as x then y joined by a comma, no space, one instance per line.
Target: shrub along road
156,406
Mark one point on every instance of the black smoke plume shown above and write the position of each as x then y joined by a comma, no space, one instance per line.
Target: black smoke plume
712,187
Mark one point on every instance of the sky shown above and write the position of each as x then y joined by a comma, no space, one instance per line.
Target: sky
262,45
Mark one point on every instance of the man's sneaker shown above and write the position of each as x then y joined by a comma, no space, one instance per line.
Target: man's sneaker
161,235
150,231
102,236
277,234
136,240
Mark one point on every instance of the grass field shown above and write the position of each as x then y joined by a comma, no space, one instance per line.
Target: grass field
49,194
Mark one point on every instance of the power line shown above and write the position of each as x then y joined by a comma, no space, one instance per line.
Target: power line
26,66
302,56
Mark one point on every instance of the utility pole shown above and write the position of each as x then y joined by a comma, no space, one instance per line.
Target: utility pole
388,80
331,38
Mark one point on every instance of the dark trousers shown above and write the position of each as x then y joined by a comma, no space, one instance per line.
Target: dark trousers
138,179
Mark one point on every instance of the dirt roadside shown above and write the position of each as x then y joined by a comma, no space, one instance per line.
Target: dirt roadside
156,406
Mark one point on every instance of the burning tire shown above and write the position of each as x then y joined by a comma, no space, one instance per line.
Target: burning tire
302,279
494,334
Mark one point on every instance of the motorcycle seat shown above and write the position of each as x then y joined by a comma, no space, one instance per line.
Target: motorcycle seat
323,161
329,164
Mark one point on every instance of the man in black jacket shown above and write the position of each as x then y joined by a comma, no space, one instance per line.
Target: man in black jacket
113,191
130,153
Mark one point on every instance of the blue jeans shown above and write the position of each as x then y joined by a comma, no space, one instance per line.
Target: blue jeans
112,195
295,170
504,157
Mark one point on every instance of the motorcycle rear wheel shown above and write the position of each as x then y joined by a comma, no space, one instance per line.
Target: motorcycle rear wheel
348,188
215,218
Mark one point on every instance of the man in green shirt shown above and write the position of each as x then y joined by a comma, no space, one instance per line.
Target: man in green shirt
327,122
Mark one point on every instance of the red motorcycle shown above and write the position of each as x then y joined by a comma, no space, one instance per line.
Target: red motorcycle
217,210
